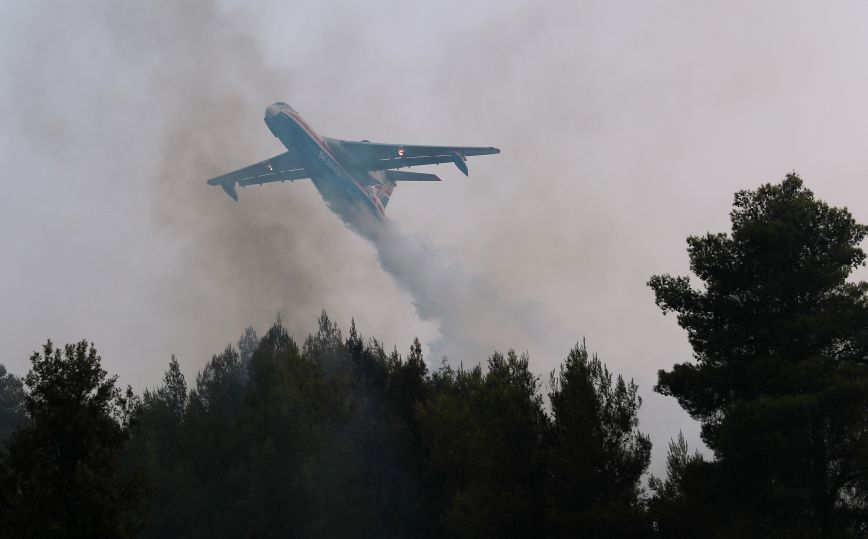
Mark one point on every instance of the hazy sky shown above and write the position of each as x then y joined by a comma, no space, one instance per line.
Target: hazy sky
625,127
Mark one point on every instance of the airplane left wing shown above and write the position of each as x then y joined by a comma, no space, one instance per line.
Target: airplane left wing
284,167
377,156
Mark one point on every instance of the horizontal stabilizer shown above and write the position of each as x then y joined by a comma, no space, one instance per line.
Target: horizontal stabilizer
401,176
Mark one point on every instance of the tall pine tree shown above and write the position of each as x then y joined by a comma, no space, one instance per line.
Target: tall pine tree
780,381
597,454
62,470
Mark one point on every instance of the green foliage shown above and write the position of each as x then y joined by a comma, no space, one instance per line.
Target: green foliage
336,439
61,474
11,403
287,413
247,345
597,454
173,392
677,460
340,439
780,381
678,506
483,438
317,442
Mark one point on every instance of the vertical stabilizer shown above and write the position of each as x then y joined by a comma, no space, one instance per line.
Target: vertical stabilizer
382,192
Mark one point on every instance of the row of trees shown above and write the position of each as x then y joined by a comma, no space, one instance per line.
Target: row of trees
335,438
339,438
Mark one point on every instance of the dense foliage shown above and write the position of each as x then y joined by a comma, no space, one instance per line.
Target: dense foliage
780,381
338,438
60,475
11,403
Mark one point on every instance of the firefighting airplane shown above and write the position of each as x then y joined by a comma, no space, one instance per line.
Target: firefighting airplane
348,174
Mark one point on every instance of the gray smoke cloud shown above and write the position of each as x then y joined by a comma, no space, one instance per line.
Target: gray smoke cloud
465,307
624,128
283,253
184,87
127,108
276,252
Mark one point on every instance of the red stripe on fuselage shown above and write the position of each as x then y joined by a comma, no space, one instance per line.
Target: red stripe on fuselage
325,149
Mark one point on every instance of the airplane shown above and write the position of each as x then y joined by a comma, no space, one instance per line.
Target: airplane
348,174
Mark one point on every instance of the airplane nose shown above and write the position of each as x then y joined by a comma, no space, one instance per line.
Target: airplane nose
273,110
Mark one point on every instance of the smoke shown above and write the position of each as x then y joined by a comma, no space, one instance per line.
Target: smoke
117,114
624,128
469,312
278,250
238,264
200,83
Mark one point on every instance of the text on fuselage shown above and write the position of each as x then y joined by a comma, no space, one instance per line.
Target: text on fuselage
329,163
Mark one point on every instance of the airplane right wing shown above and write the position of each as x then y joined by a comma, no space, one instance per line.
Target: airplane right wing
284,167
377,156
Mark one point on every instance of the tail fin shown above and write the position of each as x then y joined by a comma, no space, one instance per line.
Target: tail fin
382,192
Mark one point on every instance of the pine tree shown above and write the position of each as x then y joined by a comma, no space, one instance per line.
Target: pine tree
482,437
780,381
11,403
173,392
63,477
597,454
677,506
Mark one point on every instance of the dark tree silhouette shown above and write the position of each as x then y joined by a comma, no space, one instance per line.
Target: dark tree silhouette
482,437
597,454
62,476
11,403
336,439
677,508
780,381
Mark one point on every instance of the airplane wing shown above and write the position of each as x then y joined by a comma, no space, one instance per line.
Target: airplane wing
284,167
376,156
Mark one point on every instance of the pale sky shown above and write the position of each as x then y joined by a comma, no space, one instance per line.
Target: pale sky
625,127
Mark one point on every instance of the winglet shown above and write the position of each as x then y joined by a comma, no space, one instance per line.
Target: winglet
460,162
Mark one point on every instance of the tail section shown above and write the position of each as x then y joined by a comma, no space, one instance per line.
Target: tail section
382,193
401,176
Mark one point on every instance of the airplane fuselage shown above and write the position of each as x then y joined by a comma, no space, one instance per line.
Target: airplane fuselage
342,184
